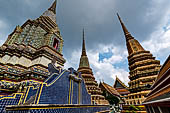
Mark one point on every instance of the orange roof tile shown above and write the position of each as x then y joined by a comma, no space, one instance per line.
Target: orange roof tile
122,91
110,89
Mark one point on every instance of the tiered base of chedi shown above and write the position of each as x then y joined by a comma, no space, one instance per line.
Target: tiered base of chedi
144,69
89,79
93,87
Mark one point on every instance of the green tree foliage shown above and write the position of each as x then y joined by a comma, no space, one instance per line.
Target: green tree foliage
112,100
133,109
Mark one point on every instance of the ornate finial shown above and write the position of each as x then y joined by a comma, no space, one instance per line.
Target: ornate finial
53,7
83,46
126,32
51,12
18,29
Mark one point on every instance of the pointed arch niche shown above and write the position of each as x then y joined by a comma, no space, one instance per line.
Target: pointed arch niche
55,43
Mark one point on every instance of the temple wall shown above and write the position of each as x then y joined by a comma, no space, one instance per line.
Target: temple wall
63,87
36,61
24,61
9,100
64,91
13,60
5,59
44,61
52,93
31,95
61,109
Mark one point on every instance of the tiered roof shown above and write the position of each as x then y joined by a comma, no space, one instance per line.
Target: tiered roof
142,65
159,94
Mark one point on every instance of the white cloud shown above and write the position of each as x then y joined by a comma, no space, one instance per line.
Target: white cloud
158,43
1,42
3,26
74,60
118,56
114,59
154,10
159,40
104,70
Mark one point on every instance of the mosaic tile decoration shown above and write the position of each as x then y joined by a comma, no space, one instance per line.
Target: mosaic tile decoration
59,109
9,100
66,87
63,92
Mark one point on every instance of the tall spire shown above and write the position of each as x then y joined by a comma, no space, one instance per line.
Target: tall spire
132,44
51,12
84,62
83,46
126,32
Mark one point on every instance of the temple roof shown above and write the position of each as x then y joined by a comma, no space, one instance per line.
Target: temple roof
84,62
119,84
110,89
120,87
160,89
123,91
164,68
133,45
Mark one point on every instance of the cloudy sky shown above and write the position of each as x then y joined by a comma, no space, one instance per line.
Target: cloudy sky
147,20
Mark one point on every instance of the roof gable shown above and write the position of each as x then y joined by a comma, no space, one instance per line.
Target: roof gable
119,84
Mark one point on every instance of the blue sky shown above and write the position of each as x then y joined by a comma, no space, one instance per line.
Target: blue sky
147,20
105,55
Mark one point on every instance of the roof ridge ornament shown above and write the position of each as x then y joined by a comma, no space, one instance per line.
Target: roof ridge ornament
51,12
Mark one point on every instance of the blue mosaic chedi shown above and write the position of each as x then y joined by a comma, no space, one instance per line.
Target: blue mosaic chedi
63,92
